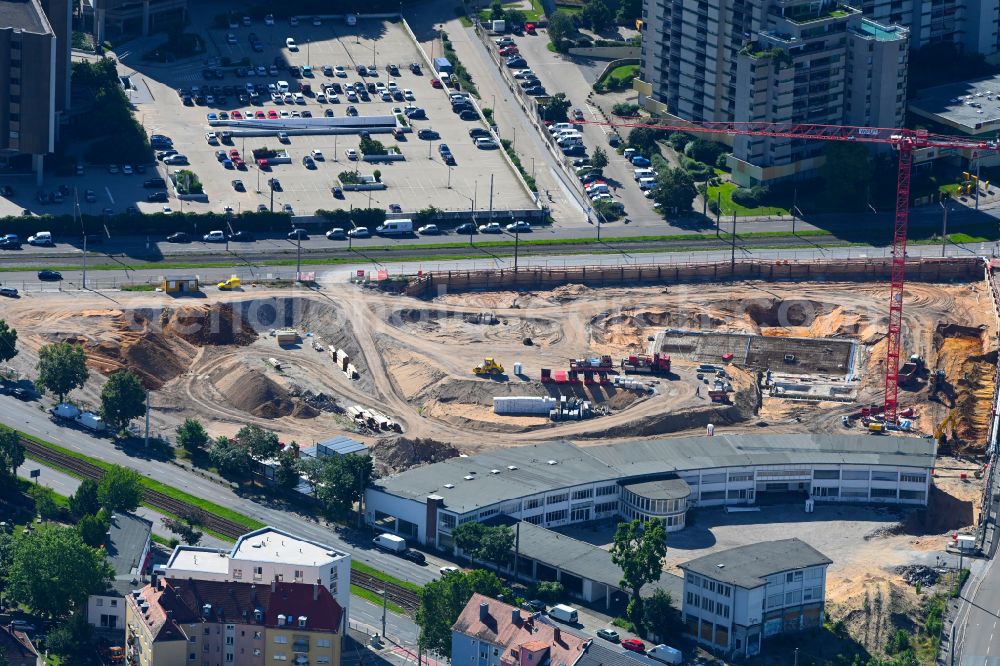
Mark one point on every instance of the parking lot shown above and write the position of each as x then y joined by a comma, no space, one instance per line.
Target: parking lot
422,180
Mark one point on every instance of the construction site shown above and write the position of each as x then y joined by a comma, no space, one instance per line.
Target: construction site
444,371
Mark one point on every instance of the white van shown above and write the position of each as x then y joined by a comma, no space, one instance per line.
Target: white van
395,227
41,238
563,613
567,141
639,174
555,127
666,654
567,131
282,86
291,45
647,183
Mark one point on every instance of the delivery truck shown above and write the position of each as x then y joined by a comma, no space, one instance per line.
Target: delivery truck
390,543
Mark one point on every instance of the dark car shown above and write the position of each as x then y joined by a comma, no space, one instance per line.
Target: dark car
466,228
517,61
9,292
479,133
94,239
179,237
23,395
157,196
338,193
10,243
274,184
537,91
415,68
50,276
414,556
428,134
238,185
536,605
468,114
241,237
298,234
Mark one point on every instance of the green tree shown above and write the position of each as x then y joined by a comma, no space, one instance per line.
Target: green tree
286,474
229,457
8,342
704,150
513,17
599,159
659,617
84,501
120,489
628,12
122,399
191,436
555,108
11,452
45,502
62,367
674,189
550,590
848,172
93,529
72,638
496,10
639,550
644,139
53,571
486,543
561,28
441,602
898,642
596,15
261,444
338,480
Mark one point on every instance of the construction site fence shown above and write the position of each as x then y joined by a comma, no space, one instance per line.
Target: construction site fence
991,435
545,277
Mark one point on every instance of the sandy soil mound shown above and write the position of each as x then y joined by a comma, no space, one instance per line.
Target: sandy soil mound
254,392
202,325
396,454
971,371
451,327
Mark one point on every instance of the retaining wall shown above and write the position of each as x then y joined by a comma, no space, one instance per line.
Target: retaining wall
860,270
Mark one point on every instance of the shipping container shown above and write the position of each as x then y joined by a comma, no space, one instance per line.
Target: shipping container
523,405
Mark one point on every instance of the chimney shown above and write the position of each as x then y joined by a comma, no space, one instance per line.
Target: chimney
274,585
556,635
315,592
484,611
154,580
253,593
515,616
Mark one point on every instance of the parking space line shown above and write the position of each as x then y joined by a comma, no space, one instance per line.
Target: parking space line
111,198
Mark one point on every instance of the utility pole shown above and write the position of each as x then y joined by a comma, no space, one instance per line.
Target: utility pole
718,214
385,603
732,256
517,238
944,228
491,197
146,442
298,255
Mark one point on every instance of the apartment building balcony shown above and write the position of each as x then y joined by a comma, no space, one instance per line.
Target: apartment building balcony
800,14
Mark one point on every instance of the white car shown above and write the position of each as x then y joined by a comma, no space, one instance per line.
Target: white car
429,230
291,45
351,154
269,19
212,138
447,570
359,232
299,98
127,169
175,159
491,228
379,87
578,114
321,98
340,71
408,94
277,98
289,98
332,98
167,210
285,114
317,154
392,85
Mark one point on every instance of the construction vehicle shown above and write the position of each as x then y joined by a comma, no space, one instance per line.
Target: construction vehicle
232,283
940,385
488,367
911,369
719,396
940,436
602,364
903,140
657,364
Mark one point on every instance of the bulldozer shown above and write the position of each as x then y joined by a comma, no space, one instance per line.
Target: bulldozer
488,367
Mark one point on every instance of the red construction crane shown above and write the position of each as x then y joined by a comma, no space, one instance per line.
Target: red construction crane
904,141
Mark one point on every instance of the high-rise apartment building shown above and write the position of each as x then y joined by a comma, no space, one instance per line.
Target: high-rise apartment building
34,77
794,61
970,24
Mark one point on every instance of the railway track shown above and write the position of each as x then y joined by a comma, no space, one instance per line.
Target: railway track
406,599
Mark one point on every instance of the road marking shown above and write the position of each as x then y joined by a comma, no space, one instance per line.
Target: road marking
108,190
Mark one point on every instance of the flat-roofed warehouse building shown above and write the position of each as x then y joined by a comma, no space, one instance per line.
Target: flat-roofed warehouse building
970,108
557,483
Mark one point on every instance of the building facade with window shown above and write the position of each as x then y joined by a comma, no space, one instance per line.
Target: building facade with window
557,483
266,555
177,622
128,544
736,598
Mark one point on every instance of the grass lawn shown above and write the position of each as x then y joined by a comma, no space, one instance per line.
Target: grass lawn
530,15
624,71
375,599
729,207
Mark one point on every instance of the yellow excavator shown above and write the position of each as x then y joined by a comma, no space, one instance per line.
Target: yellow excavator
939,433
488,367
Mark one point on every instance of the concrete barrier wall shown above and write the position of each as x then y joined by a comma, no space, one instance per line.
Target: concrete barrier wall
861,270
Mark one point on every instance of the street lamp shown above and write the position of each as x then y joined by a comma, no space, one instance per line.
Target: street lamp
449,177
385,603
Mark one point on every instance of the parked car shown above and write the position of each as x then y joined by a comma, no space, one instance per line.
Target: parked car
9,292
519,227
479,133
429,230
414,556
490,228
241,237
609,634
536,605
178,237
338,192
287,210
298,234
468,114
336,234
634,645
157,196
351,154
466,228
217,236
428,134
359,232
50,276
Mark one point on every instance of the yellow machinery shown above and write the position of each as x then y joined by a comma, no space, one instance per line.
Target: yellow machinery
939,433
488,367
231,283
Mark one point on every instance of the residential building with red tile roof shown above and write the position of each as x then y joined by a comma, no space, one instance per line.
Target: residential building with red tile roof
493,633
17,649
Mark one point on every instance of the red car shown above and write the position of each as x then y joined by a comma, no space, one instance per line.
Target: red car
634,645
509,51
529,28
272,114
235,115
259,115
435,83
234,153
